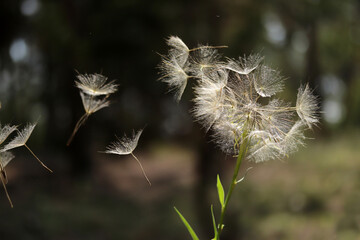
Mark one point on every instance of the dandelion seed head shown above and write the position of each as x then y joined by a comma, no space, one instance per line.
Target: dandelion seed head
235,101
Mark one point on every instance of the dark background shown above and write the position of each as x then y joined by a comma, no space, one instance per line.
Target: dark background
313,195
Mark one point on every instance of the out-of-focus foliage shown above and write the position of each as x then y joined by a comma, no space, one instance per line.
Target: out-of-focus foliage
312,40
42,45
313,196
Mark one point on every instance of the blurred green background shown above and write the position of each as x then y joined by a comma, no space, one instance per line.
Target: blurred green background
314,194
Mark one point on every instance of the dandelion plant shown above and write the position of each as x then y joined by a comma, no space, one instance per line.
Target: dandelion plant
126,145
235,100
94,93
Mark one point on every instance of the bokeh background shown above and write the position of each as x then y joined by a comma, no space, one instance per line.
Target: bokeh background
314,194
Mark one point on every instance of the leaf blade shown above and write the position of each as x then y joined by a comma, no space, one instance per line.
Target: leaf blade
221,193
187,225
214,223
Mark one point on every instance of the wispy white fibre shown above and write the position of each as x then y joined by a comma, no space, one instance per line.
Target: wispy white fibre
92,104
5,158
125,145
5,131
21,138
94,93
95,84
307,106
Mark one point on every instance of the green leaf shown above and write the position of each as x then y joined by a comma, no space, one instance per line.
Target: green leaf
187,225
220,191
214,223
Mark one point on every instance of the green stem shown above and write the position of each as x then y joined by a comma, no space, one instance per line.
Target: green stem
242,152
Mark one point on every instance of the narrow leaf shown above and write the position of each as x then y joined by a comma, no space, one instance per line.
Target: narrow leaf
214,223
187,225
220,191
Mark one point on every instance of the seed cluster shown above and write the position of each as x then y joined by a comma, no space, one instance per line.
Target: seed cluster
235,98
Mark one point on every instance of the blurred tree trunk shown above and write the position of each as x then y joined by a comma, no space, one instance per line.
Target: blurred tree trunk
312,73
62,57
313,70
207,167
62,81
80,159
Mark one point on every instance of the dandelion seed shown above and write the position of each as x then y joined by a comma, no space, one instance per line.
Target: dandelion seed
178,50
174,75
293,138
264,150
307,106
95,84
91,104
244,65
126,145
209,100
5,131
94,92
5,158
21,139
205,60
268,82
276,118
174,66
178,66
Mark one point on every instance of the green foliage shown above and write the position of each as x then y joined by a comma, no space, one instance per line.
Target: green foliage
216,233
221,193
187,225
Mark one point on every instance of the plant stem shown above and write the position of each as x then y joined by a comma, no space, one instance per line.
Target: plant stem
242,152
